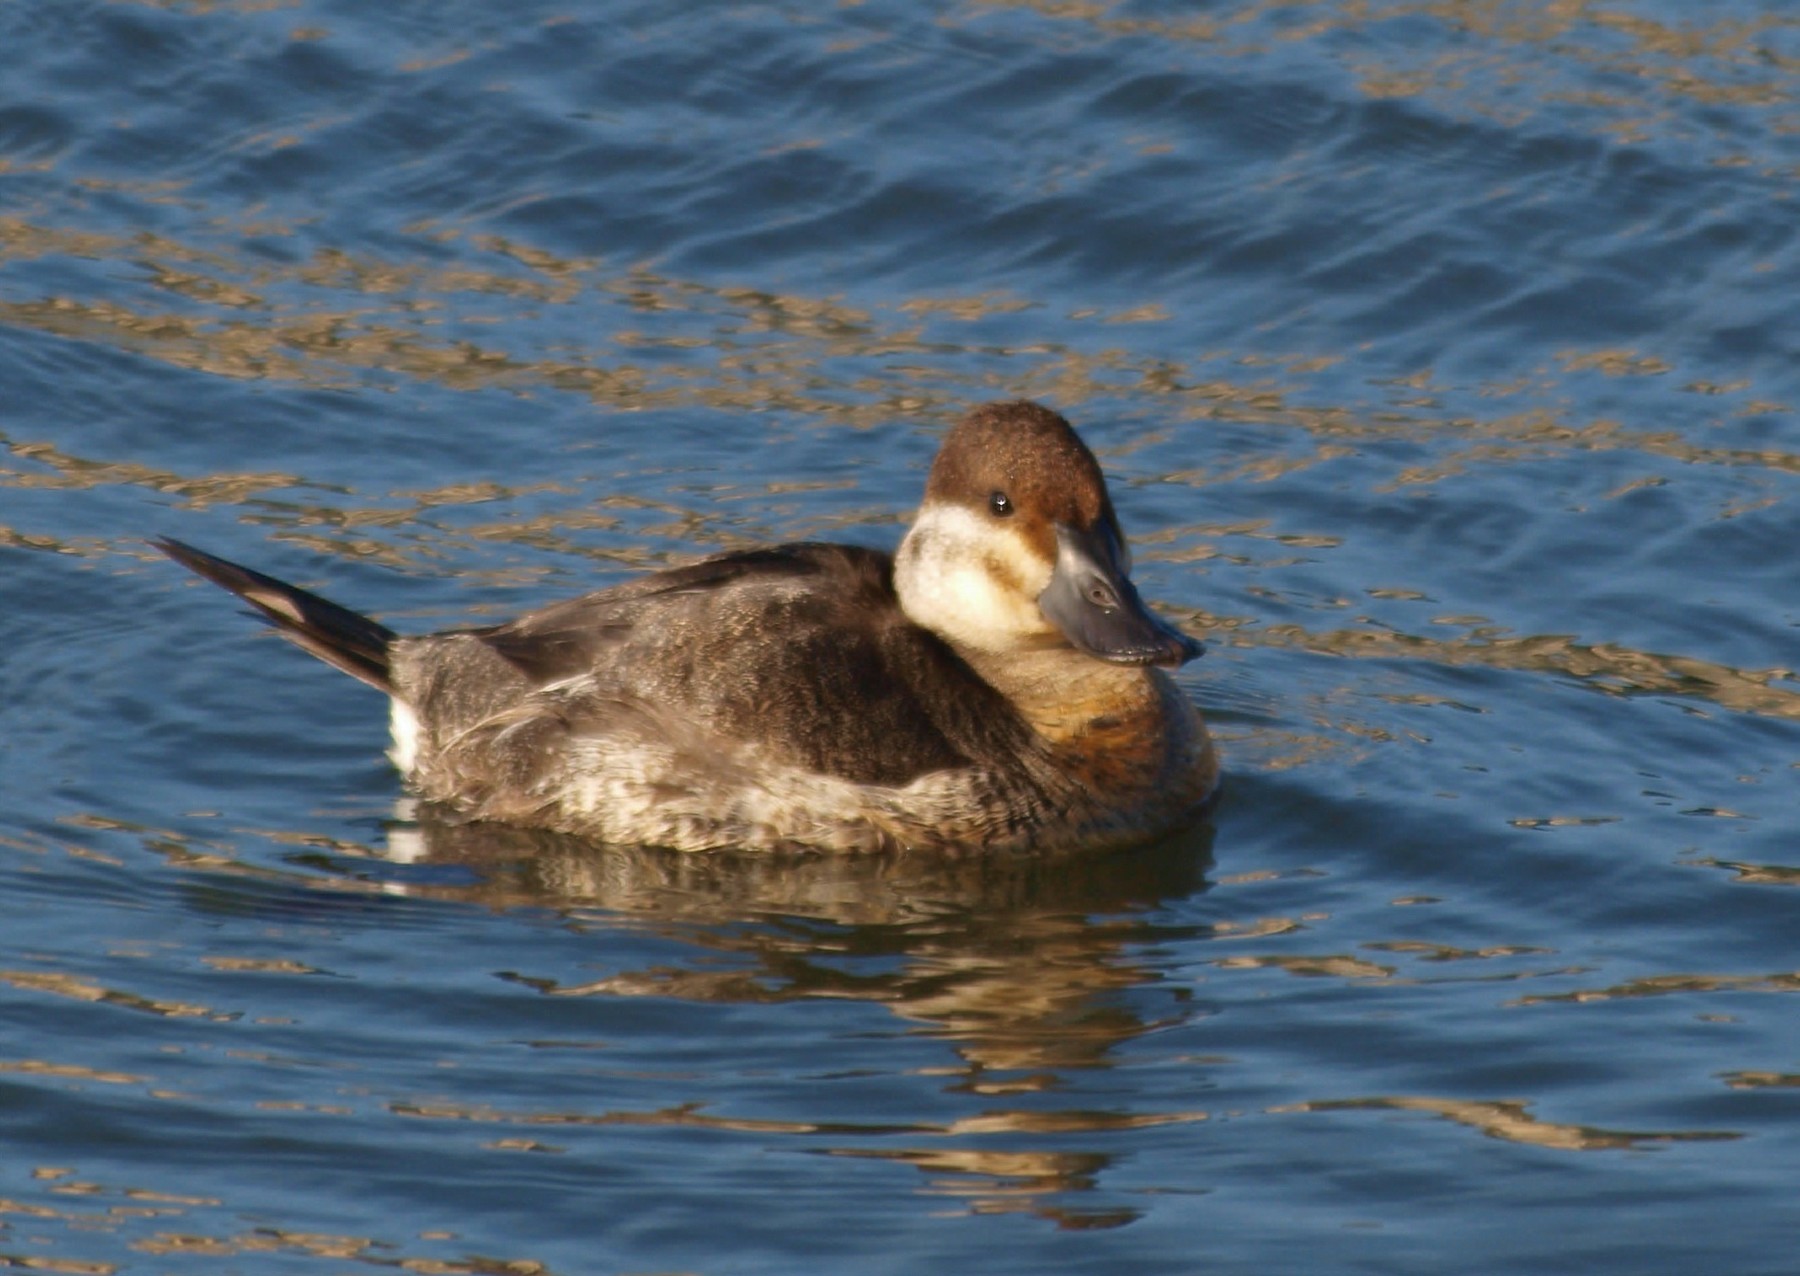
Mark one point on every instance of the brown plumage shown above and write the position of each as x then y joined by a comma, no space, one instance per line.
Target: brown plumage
802,695
336,635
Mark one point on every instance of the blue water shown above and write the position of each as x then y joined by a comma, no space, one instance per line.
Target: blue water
1443,357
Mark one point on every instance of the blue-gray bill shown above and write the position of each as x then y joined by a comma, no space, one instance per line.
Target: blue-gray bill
1092,600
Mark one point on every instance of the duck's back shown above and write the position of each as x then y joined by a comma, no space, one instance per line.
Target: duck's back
745,670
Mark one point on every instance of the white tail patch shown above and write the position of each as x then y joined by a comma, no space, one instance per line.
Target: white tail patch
403,724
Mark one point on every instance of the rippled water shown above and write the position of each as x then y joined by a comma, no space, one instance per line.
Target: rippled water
1444,357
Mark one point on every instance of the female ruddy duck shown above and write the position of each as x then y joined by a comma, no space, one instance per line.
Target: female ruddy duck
996,685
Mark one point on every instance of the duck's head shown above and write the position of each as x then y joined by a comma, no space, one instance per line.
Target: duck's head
1017,548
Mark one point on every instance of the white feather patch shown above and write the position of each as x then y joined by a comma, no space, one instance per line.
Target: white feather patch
403,725
970,580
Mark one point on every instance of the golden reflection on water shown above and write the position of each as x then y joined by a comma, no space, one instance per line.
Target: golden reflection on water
1670,985
1009,1182
1513,1122
106,1210
366,1250
67,1071
1332,965
765,351
1608,667
73,986
1753,1080
1755,874
1510,49
1446,952
57,470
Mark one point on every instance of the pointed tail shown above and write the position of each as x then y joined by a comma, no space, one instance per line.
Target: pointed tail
334,634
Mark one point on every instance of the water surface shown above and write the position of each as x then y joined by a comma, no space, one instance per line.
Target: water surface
1442,357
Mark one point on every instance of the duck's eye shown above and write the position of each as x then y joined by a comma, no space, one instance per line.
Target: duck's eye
1000,504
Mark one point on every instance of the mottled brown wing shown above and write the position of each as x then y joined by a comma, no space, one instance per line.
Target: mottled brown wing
802,649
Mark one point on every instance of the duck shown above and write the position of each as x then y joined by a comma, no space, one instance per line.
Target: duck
996,685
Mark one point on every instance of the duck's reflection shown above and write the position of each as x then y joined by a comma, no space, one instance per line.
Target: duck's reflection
1010,957
1020,964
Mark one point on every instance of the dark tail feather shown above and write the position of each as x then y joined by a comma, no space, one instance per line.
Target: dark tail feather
334,634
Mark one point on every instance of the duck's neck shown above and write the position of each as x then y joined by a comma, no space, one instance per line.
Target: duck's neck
1115,730
1066,695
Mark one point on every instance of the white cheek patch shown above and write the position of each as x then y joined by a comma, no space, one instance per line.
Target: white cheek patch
973,581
